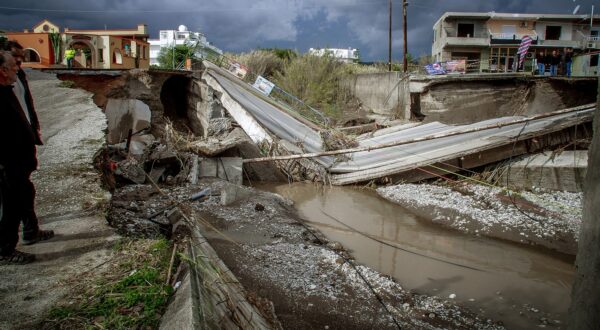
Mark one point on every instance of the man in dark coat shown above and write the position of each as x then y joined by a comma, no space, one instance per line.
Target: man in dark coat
18,160
31,231
554,62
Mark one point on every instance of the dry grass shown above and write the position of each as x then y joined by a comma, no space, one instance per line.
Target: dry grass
260,62
317,82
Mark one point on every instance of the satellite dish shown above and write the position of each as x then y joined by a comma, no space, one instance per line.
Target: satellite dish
576,9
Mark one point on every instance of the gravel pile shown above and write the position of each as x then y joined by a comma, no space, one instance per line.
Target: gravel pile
551,219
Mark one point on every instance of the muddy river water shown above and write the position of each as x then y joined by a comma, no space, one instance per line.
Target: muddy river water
521,286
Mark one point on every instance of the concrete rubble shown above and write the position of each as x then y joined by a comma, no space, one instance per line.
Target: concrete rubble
564,171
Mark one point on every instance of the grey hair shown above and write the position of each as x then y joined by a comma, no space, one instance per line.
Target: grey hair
4,56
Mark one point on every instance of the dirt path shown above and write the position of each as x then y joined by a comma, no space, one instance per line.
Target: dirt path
68,199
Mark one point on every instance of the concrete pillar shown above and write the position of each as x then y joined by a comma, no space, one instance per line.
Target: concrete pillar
585,303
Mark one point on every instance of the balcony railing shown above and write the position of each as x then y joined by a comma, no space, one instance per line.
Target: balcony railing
560,43
460,41
511,36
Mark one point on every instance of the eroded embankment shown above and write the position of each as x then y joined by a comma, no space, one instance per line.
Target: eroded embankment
465,101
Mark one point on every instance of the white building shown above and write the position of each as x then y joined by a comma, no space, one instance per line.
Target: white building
345,55
169,38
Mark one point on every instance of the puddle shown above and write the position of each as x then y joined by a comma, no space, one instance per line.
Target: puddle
502,281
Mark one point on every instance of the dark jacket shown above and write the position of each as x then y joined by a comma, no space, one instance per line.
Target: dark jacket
555,59
35,123
17,136
568,57
541,59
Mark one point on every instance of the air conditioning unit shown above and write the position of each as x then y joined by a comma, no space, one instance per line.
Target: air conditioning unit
591,45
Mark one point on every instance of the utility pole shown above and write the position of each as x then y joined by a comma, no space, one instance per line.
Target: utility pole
592,20
390,40
404,5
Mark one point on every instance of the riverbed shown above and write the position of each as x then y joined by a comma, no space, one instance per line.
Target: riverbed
521,286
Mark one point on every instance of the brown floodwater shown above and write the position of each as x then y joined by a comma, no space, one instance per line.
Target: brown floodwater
518,285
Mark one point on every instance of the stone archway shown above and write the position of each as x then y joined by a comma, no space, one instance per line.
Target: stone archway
31,56
85,56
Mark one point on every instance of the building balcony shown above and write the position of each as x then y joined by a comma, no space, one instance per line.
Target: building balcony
510,38
561,43
468,42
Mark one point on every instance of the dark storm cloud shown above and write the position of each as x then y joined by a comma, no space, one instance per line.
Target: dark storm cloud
238,25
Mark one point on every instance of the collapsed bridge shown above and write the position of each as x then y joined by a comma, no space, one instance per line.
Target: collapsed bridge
229,118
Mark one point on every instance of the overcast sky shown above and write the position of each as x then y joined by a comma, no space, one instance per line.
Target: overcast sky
241,25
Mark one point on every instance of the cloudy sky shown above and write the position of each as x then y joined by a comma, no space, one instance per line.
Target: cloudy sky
241,25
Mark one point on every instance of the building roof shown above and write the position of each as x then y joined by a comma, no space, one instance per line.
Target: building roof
513,16
140,31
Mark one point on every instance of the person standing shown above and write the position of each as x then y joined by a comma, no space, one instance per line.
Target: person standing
569,61
554,62
69,56
31,231
17,159
541,60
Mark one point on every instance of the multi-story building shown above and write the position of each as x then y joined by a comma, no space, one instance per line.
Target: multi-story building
44,47
489,41
347,55
181,36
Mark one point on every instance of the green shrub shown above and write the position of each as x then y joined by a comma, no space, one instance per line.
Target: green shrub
316,80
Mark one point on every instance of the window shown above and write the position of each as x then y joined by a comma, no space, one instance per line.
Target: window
117,57
100,55
594,34
46,27
466,30
509,31
594,60
553,32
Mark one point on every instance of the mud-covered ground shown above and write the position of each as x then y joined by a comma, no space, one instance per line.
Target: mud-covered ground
549,219
312,283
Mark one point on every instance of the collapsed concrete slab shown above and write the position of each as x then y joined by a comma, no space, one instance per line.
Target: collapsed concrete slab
563,172
124,115
274,131
226,168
